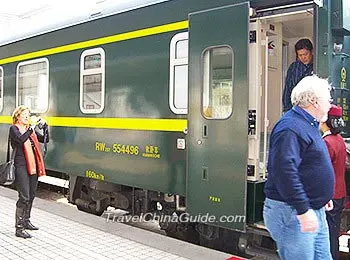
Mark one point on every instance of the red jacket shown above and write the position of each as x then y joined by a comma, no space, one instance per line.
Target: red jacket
337,152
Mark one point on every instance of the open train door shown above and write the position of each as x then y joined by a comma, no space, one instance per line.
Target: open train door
217,117
322,31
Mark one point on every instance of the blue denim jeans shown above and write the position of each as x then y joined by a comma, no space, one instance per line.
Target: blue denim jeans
283,225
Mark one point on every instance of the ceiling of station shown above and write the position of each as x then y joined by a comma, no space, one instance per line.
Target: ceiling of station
24,17
19,9
20,16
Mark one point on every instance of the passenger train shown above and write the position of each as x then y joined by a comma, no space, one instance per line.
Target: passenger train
166,106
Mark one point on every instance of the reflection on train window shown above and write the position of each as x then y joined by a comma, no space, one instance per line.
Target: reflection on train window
1,88
33,85
178,85
217,82
92,81
181,49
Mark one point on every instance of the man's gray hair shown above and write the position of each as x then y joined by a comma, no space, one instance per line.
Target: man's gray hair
309,90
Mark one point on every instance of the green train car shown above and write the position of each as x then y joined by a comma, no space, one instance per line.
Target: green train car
167,106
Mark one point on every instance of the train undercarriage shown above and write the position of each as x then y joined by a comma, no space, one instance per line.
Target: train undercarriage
169,210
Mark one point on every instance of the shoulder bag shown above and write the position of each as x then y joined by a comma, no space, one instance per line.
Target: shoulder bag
7,170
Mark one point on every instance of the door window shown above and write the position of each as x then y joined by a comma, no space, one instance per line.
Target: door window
217,82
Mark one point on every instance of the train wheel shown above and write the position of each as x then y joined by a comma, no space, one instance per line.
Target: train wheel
86,204
180,230
91,211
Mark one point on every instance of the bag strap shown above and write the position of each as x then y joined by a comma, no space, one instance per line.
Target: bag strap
45,132
8,150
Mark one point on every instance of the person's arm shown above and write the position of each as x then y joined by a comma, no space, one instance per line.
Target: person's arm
288,156
45,131
288,150
331,151
288,87
332,154
17,137
41,136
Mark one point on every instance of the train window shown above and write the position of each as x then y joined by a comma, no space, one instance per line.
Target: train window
33,85
1,88
217,82
182,49
92,81
178,85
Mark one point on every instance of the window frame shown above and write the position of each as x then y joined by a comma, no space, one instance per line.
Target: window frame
173,63
85,72
24,63
209,77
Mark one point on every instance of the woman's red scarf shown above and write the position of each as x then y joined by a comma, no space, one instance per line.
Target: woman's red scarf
34,159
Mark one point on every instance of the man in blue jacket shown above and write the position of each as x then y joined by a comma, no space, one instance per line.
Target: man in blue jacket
300,68
300,176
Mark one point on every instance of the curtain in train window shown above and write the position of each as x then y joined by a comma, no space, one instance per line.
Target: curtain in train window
178,85
92,81
33,85
217,82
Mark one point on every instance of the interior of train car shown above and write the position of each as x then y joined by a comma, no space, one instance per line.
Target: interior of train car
271,51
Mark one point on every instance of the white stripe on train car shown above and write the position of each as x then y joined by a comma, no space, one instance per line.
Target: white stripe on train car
54,181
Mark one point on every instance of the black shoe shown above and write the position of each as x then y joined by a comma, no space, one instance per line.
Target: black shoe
28,225
22,233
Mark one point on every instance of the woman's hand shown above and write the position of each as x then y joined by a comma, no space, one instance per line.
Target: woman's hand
32,126
42,123
329,206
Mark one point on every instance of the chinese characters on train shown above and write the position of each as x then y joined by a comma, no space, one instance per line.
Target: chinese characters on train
342,101
147,151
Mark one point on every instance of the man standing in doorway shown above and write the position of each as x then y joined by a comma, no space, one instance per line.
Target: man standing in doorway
303,66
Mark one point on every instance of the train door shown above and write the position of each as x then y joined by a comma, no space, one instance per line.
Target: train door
217,117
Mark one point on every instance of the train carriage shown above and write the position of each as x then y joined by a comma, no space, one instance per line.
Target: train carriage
167,106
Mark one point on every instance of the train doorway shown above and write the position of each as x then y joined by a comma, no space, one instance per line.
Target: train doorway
271,51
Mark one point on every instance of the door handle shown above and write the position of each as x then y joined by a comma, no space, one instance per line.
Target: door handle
205,173
205,131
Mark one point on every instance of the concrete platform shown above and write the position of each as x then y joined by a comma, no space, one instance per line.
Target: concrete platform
67,233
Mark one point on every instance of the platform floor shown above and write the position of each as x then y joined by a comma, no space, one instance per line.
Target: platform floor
67,233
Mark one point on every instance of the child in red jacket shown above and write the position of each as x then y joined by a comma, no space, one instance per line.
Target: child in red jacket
337,152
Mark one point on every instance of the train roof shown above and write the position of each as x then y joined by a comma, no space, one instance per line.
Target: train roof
99,12
108,10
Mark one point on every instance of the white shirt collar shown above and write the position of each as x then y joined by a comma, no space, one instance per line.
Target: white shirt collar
326,133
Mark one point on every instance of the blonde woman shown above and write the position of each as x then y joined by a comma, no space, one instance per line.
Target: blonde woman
29,165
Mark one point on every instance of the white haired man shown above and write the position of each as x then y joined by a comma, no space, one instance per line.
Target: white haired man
300,179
